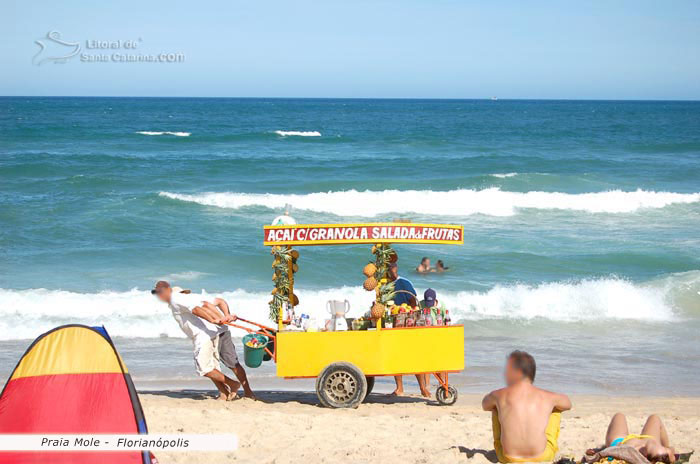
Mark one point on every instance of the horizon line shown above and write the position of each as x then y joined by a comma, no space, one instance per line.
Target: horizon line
689,100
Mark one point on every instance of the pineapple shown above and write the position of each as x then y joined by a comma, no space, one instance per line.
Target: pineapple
370,270
385,295
378,310
370,284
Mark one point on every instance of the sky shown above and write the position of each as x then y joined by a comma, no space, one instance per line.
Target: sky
354,49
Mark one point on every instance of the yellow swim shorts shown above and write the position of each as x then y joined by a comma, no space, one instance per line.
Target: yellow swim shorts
551,432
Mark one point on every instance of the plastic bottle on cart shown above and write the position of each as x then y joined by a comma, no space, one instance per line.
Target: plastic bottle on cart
428,318
400,320
420,321
438,319
448,320
313,325
410,321
290,314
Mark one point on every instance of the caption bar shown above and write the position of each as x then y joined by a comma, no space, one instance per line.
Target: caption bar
151,442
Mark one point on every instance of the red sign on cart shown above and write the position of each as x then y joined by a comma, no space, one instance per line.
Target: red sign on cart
345,234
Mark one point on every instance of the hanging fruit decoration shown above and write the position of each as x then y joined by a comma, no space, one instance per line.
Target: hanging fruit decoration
284,265
370,283
377,280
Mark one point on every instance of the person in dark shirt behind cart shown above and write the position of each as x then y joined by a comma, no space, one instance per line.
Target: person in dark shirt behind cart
405,293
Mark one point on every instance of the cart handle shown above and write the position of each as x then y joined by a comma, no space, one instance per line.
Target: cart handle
262,331
255,323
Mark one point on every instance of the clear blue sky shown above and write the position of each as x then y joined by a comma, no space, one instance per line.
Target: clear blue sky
427,49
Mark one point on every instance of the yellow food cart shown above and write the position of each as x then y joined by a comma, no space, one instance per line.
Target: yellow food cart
345,363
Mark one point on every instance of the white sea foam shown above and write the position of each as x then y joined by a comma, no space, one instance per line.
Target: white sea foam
503,176
462,202
586,300
185,275
176,134
136,313
298,133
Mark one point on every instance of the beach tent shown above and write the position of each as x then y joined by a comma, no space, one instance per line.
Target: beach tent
71,380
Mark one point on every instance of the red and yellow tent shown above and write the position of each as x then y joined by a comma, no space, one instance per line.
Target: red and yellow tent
71,380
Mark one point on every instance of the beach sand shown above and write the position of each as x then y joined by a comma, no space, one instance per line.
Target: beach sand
288,427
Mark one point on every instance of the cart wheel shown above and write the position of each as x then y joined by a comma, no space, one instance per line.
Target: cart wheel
370,386
446,398
341,385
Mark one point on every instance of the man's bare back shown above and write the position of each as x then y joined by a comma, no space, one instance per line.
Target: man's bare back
523,424
523,411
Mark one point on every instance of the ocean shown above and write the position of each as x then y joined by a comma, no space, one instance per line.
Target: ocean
581,223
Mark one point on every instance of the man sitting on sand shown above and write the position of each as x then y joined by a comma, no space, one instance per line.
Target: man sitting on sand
653,443
525,418
204,323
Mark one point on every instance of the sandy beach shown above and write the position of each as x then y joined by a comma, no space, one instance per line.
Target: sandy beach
290,427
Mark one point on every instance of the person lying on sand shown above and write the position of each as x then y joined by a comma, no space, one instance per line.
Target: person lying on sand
204,323
525,419
652,443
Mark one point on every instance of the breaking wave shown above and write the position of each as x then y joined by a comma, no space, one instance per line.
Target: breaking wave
282,133
135,313
503,176
462,202
176,134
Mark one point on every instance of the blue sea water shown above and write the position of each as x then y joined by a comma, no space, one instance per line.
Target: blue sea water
581,221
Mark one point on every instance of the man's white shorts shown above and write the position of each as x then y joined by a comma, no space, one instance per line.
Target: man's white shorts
219,348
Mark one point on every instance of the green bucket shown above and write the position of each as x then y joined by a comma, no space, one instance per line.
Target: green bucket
253,357
271,348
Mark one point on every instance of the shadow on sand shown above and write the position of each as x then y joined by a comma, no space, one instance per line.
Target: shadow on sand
471,452
284,396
